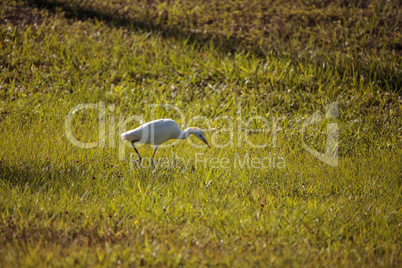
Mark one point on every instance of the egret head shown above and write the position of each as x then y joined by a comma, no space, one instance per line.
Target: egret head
200,135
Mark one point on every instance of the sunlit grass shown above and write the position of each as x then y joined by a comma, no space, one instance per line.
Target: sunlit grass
63,205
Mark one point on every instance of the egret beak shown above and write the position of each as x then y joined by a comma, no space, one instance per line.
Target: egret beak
205,141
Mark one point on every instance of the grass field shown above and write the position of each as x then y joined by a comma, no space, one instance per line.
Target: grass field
224,65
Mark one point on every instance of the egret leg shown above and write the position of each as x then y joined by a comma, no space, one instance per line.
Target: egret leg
139,156
152,158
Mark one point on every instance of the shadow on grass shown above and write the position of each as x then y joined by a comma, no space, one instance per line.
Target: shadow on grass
73,11
386,76
33,177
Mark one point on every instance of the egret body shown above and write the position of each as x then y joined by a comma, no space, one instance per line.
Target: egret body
158,131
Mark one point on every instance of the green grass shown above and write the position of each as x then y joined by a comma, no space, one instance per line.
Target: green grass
61,205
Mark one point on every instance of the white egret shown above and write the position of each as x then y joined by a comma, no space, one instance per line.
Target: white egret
158,131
